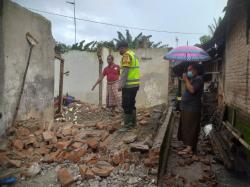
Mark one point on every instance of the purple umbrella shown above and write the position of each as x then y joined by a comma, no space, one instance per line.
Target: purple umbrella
187,53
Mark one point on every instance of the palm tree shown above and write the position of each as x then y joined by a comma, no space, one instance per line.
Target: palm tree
212,28
215,25
140,41
78,46
128,38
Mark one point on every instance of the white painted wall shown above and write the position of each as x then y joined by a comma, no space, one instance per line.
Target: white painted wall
37,98
83,70
83,67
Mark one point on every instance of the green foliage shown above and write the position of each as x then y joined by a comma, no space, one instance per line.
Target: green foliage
204,39
61,48
140,41
107,44
212,28
78,46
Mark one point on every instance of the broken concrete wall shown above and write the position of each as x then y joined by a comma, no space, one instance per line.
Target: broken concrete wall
37,99
83,67
83,70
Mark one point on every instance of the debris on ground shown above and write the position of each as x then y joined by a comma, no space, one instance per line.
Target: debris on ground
190,170
83,148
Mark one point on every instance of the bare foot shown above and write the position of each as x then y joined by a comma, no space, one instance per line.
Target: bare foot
186,151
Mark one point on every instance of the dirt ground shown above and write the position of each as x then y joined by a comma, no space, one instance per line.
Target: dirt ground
83,148
201,171
187,170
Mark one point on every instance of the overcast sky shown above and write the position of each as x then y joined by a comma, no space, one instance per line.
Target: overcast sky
192,16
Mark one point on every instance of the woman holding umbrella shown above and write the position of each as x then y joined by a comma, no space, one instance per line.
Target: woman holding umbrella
191,105
189,127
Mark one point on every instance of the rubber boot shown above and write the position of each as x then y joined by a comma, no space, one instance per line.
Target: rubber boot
134,121
131,121
128,124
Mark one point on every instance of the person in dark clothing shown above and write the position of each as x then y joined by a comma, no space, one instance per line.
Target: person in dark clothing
129,84
191,105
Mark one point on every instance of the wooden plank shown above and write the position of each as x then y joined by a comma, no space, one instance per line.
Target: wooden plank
60,99
236,135
99,52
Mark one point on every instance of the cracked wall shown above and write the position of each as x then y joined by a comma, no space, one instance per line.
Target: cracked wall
37,99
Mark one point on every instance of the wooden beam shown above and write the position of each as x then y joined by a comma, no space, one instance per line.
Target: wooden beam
58,56
235,134
60,98
99,54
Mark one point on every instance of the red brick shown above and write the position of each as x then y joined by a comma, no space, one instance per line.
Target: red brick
118,157
76,155
91,159
143,122
81,151
30,140
18,144
63,144
3,159
15,163
104,136
154,153
89,174
103,146
101,126
39,133
77,145
114,126
149,163
86,172
126,166
74,131
93,143
83,170
64,177
153,157
127,155
22,131
67,131
51,157
42,151
48,135
103,171
23,154
147,114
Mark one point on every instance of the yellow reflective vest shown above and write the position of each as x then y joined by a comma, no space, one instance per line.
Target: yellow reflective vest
133,78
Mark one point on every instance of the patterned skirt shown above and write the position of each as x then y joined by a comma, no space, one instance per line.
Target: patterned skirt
113,95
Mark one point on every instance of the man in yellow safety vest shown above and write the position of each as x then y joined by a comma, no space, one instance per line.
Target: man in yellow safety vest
129,84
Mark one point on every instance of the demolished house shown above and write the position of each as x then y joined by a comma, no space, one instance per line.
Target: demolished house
229,94
83,147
